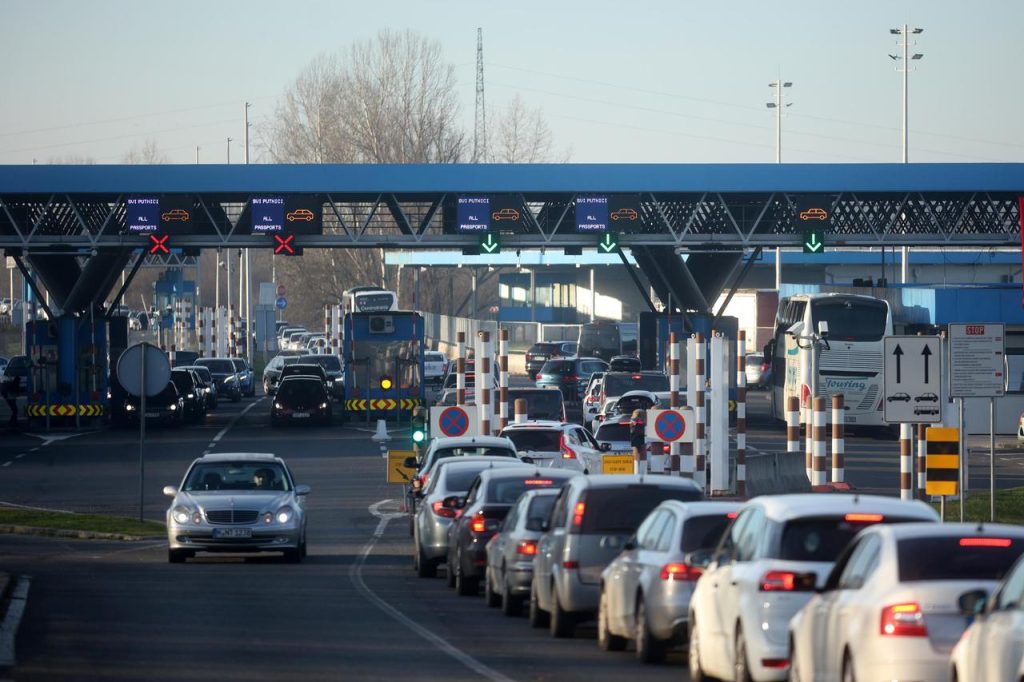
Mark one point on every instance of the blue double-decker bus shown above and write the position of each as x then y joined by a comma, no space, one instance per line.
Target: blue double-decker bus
383,354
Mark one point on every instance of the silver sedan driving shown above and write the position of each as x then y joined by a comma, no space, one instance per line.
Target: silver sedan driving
237,502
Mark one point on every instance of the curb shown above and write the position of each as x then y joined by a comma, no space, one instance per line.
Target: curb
76,534
12,619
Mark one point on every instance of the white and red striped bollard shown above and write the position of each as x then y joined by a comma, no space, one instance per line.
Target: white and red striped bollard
741,414
906,463
818,433
838,439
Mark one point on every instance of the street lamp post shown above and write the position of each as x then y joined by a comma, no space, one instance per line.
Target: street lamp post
777,106
905,57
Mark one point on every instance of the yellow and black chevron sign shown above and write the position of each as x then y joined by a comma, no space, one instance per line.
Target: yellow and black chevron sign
942,460
385,404
64,410
90,410
355,405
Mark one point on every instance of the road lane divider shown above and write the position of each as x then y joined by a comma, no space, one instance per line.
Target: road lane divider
355,573
223,432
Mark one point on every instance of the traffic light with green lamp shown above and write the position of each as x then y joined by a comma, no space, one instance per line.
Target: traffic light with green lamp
419,426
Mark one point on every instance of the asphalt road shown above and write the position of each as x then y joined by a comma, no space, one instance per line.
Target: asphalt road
353,610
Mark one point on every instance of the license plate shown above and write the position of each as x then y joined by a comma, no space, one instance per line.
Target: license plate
301,415
232,532
152,414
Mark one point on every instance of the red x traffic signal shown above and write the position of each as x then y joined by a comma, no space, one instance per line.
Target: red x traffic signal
285,245
159,244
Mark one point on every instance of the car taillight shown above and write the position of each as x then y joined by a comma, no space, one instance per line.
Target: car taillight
478,525
903,620
764,366
566,451
538,376
787,581
442,511
864,518
577,514
666,448
570,564
985,542
680,571
527,547
570,377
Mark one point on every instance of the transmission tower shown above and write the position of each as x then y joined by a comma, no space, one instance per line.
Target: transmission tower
480,126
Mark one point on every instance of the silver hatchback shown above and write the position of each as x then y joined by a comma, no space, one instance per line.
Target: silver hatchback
237,502
448,477
590,523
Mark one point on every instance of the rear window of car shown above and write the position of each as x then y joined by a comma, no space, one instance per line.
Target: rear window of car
543,404
433,357
559,367
963,558
609,432
620,510
617,384
458,479
820,538
541,349
703,532
508,490
331,363
219,366
539,511
300,390
542,440
443,453
754,359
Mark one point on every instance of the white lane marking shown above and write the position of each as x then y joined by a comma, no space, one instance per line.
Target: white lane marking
355,573
216,439
19,456
6,464
34,450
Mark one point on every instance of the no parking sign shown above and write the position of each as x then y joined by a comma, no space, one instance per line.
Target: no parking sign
674,425
453,421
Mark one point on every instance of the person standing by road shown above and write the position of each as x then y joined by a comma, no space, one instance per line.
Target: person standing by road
11,388
638,440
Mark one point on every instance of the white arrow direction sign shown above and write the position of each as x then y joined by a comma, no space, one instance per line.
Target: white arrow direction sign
912,390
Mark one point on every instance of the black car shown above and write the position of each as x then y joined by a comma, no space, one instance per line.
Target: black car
624,363
541,403
334,370
272,372
484,508
301,399
301,369
192,395
167,407
246,377
183,358
224,376
539,353
208,385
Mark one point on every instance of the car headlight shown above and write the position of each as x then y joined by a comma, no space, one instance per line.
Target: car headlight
129,407
183,514
284,514
190,396
323,406
278,406
230,380
174,408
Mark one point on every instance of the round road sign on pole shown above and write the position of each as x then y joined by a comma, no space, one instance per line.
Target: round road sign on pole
281,303
454,422
130,374
670,426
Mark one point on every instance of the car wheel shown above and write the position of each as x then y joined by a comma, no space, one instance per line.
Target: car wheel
449,578
538,616
178,556
562,625
510,604
697,673
491,598
303,551
649,649
293,556
605,639
464,586
740,666
425,568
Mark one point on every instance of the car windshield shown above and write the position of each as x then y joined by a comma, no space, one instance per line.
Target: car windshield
754,360
217,365
819,539
238,364
620,510
508,490
617,384
963,558
330,363
610,432
299,390
243,475
203,372
527,440
851,319
182,381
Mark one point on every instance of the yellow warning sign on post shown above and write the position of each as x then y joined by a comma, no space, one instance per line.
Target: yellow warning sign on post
397,471
617,464
942,461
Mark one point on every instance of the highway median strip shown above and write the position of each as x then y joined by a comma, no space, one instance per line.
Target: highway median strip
82,526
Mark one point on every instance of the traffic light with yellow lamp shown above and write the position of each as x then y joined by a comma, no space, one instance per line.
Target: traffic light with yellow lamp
386,384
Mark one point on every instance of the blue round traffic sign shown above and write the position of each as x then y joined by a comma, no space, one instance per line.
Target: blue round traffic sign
669,426
453,422
281,303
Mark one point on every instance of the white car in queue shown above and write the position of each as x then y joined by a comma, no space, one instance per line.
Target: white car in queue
766,567
237,502
992,648
555,445
890,609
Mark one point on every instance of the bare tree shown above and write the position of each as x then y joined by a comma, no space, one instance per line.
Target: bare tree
71,160
523,136
148,153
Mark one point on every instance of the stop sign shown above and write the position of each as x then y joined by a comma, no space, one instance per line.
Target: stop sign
281,291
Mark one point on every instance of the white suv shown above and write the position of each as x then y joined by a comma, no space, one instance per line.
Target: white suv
769,562
556,445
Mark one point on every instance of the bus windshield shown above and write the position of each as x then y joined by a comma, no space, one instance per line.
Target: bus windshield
851,319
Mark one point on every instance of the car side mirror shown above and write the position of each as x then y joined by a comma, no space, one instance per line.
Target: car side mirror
605,447
302,489
453,502
170,490
630,544
409,463
972,603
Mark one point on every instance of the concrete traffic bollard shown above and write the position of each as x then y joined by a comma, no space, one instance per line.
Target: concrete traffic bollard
793,427
483,375
906,463
922,458
818,463
838,439
460,368
503,379
741,414
522,410
700,469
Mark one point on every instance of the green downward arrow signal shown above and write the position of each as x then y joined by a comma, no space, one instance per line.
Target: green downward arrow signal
490,245
811,243
608,243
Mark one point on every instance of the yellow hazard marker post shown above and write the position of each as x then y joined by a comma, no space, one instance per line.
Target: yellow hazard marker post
942,464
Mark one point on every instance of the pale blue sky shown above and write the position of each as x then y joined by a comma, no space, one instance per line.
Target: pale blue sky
658,81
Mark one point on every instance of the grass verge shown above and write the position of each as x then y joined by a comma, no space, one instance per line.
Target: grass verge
1009,506
90,523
